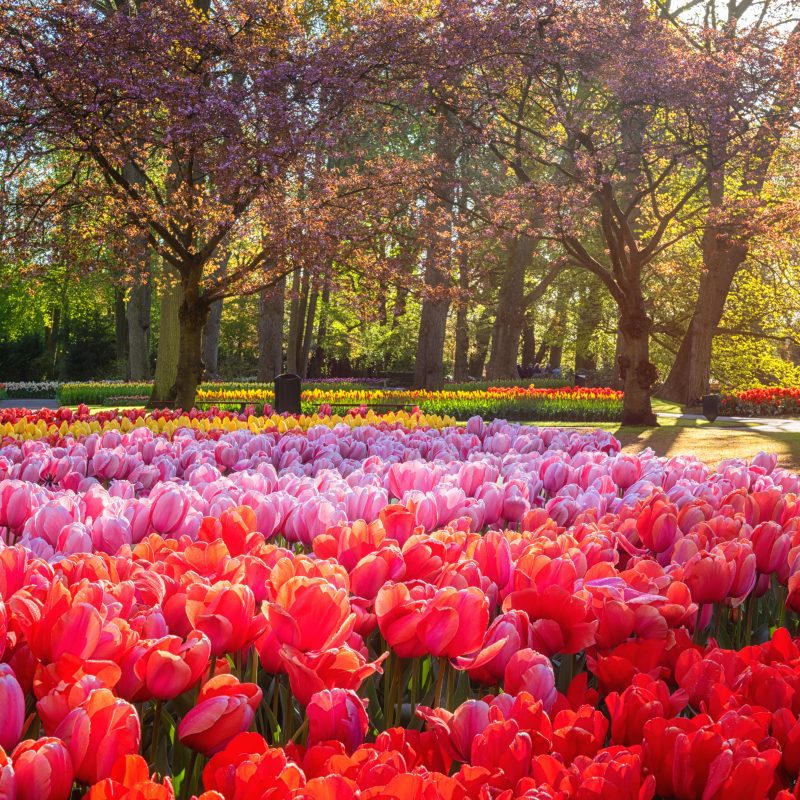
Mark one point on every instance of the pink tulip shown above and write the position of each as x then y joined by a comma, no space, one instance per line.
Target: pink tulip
337,715
529,671
168,509
12,703
43,769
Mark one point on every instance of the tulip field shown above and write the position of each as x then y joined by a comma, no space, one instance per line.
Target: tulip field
229,607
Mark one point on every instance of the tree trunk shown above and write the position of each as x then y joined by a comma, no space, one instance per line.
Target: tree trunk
528,354
139,332
317,362
461,355
589,318
293,343
120,325
211,339
429,365
308,334
270,331
637,373
483,333
688,379
51,338
168,339
510,316
556,351
192,316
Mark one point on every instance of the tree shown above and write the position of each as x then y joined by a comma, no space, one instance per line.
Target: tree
216,111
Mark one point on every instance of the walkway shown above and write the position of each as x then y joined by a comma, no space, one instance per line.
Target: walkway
31,405
762,424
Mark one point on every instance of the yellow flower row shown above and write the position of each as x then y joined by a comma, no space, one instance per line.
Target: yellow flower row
23,429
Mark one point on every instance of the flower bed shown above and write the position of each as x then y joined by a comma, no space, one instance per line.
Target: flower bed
774,401
381,611
29,389
515,403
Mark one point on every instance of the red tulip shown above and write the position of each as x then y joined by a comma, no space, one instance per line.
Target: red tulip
225,613
170,666
455,622
57,704
560,619
224,709
247,766
578,733
310,614
709,576
337,714
642,701
340,667
43,769
130,780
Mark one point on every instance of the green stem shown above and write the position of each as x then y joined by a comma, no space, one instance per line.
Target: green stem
154,740
437,694
748,619
697,630
188,782
451,674
300,731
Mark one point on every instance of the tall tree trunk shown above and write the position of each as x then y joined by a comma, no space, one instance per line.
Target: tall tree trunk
211,339
688,379
308,334
461,355
139,332
270,331
510,315
168,339
51,338
192,316
528,352
556,351
483,333
120,326
637,372
295,324
589,317
318,358
429,364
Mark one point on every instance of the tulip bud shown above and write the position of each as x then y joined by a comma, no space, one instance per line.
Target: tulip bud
12,703
337,715
43,769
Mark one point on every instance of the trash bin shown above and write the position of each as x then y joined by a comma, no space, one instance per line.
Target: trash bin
287,393
580,379
711,406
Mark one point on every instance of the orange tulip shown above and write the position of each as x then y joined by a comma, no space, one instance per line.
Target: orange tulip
225,613
100,730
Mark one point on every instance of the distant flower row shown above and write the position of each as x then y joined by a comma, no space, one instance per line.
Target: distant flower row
768,401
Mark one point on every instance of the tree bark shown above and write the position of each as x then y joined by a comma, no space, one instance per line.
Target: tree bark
510,316
211,339
120,325
429,365
589,318
192,316
688,379
308,334
461,354
139,332
528,351
483,333
317,362
168,339
293,343
270,331
637,373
